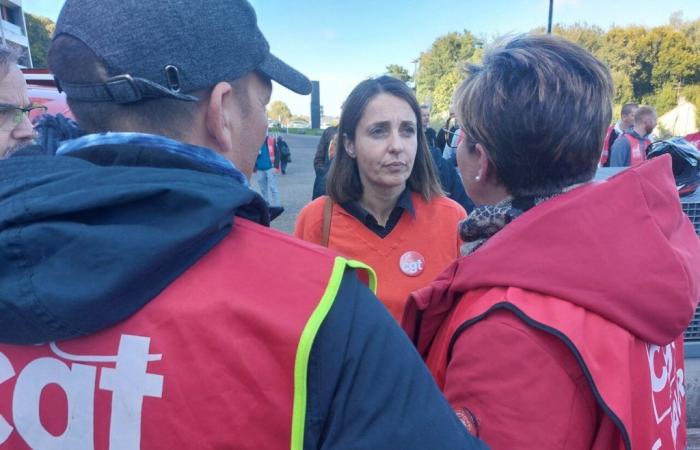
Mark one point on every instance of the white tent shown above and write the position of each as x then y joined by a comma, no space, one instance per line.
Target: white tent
680,120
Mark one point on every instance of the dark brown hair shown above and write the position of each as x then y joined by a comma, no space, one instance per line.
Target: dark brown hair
628,108
540,106
343,181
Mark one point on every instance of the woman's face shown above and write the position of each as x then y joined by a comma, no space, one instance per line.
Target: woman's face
386,142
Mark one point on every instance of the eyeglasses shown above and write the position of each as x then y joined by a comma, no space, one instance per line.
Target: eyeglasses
11,116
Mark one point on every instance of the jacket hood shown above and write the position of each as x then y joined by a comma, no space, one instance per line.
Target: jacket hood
621,248
85,242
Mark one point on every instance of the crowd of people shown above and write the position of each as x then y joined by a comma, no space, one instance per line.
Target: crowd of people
470,288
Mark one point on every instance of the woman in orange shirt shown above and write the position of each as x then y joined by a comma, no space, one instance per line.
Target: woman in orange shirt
384,205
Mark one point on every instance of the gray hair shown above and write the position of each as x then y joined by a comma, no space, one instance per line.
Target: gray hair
8,57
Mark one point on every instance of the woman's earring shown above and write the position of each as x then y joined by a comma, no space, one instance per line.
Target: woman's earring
477,178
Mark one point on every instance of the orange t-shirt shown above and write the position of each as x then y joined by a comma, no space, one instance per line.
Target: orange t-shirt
418,248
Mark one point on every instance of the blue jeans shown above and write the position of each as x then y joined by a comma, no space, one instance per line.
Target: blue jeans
267,179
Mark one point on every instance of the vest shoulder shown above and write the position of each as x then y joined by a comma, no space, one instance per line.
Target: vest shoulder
282,243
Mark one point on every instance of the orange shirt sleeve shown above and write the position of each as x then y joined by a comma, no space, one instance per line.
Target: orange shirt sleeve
308,225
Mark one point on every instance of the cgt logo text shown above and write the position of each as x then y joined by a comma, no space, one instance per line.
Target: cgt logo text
128,381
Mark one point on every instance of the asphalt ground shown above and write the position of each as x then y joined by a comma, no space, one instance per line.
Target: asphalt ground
296,186
295,192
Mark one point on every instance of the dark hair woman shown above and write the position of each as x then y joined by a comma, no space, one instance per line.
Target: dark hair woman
562,326
384,204
325,152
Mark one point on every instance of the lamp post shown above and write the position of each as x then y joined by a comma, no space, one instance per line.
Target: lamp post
549,23
415,69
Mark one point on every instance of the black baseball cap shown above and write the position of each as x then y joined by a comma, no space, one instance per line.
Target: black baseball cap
169,48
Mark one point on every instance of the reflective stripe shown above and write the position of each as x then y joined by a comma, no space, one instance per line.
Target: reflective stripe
301,365
370,272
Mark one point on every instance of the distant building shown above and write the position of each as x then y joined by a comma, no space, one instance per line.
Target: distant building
13,30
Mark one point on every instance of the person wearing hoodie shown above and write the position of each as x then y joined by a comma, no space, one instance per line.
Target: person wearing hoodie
136,309
556,329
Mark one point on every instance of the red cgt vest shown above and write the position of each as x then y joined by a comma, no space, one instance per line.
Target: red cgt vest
605,154
639,386
217,360
638,149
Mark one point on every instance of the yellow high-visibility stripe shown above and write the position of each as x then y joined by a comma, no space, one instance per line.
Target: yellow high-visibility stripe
306,342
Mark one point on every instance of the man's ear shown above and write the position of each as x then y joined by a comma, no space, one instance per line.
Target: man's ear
219,118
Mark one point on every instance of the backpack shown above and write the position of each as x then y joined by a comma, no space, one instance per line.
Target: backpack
685,162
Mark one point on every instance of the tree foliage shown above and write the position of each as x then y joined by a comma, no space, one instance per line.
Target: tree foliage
447,55
39,31
398,72
648,65
279,111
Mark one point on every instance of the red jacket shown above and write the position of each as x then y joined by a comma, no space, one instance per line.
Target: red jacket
224,372
553,335
694,138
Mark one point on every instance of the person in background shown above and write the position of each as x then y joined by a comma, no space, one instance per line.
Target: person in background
136,307
631,148
447,171
285,154
444,136
266,164
384,205
623,125
562,324
430,135
325,151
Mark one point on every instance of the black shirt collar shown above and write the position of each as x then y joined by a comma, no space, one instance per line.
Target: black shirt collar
404,203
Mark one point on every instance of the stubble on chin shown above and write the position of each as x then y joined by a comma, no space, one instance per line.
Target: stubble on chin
12,150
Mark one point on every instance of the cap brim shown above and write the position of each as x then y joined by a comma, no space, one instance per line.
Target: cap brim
285,75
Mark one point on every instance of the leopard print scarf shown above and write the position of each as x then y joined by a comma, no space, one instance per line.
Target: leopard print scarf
487,220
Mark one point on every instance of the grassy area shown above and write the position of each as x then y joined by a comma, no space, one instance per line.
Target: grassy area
305,131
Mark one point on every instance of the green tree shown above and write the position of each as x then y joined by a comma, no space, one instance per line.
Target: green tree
622,88
398,72
664,99
39,31
444,90
448,53
587,36
673,58
279,111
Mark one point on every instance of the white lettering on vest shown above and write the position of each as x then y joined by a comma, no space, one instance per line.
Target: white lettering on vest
77,382
129,382
6,372
668,392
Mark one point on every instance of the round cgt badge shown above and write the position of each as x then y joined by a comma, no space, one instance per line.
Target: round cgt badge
412,263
